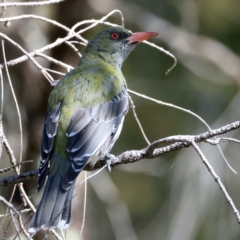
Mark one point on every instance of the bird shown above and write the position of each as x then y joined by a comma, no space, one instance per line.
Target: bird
86,110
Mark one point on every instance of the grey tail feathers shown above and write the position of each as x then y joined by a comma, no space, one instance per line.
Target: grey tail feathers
54,210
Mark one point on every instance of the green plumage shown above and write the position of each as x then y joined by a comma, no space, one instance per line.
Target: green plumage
85,86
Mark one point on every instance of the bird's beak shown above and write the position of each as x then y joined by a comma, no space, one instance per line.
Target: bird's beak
141,36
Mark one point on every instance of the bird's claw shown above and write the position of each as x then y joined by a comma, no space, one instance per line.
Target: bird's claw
108,159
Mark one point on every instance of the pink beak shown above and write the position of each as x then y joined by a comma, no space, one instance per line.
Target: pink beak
141,36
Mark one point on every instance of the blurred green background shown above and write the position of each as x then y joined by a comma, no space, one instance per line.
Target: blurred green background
168,198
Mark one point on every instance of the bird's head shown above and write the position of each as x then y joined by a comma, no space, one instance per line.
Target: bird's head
115,43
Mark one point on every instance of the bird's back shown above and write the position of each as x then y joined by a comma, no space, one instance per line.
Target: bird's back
89,84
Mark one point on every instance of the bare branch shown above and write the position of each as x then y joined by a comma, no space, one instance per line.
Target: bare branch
59,41
150,152
27,55
220,140
16,165
1,112
16,104
184,110
217,180
12,209
138,121
197,46
167,53
13,162
19,4
57,62
33,16
15,225
22,177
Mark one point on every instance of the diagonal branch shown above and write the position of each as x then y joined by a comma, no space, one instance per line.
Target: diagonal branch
217,180
152,151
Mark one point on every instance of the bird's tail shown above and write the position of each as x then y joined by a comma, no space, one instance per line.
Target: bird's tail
54,209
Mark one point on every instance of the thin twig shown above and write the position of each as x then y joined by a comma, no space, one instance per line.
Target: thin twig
57,62
221,140
59,41
19,4
20,186
54,71
184,110
166,52
22,211
20,127
84,205
74,48
4,9
1,112
138,121
16,165
15,225
16,104
10,200
28,56
217,180
33,16
169,105
11,207
2,96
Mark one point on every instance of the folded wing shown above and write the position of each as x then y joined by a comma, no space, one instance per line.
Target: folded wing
92,133
49,132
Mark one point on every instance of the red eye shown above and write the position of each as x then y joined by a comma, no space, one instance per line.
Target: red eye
114,36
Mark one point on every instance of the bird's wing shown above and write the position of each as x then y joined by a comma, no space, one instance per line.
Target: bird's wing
49,132
92,131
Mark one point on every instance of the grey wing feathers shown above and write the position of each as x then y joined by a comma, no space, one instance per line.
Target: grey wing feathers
92,131
49,131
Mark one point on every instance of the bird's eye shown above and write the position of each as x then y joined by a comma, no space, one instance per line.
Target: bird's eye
114,35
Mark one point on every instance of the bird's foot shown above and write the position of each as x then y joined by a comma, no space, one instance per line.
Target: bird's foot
108,158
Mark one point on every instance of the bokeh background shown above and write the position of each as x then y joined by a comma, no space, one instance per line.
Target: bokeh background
168,198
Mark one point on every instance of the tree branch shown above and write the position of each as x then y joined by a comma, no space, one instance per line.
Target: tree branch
18,4
150,152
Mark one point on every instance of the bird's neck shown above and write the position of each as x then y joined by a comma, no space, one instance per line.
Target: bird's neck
114,60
